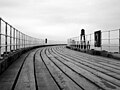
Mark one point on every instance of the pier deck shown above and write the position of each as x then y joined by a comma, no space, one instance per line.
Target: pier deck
59,68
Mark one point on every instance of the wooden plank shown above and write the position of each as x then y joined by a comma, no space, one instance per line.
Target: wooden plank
8,77
44,79
96,72
64,82
90,61
26,80
87,64
89,75
93,57
79,79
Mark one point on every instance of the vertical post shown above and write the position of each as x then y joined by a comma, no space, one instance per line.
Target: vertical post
109,39
85,43
101,40
24,40
16,40
6,37
0,37
19,39
119,41
77,42
28,41
33,41
10,37
90,41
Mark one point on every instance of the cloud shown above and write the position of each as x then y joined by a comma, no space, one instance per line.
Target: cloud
13,3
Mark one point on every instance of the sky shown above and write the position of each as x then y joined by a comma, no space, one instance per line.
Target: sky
61,19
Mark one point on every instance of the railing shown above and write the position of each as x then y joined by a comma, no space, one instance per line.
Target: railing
110,41
12,39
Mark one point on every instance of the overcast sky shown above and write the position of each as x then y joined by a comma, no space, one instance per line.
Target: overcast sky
61,19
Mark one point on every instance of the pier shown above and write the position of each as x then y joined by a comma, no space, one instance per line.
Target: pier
28,63
59,68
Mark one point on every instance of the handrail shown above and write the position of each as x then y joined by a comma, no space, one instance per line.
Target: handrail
109,37
12,39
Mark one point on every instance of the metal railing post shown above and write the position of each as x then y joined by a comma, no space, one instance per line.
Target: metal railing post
119,41
26,45
0,37
79,42
24,40
6,38
101,40
28,41
10,37
19,39
16,40
90,41
109,39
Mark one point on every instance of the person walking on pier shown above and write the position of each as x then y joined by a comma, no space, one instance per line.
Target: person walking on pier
88,45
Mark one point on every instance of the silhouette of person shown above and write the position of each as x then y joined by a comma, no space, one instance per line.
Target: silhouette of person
88,45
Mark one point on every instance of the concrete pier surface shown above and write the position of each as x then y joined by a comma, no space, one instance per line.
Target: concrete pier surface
59,68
